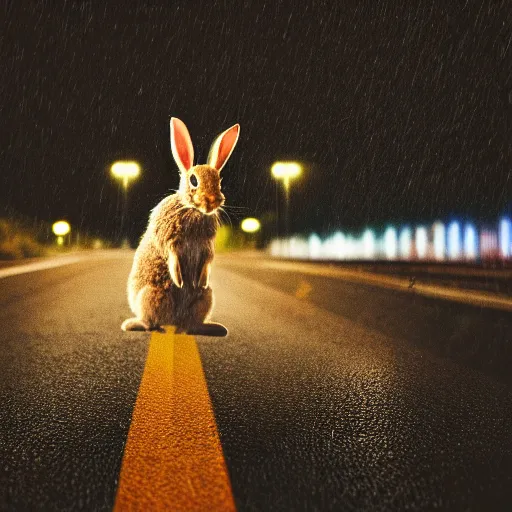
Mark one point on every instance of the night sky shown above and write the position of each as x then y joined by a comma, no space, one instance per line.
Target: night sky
400,110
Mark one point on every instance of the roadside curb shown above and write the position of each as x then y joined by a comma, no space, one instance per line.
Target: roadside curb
476,298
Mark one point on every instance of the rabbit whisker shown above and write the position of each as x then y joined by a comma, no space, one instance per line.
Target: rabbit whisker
235,207
222,211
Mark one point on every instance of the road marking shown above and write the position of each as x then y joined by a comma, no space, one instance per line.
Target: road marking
303,290
173,458
39,265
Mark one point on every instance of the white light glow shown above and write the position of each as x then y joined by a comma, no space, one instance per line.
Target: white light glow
470,242
299,248
405,242
454,241
390,243
351,248
421,242
315,246
369,244
275,247
338,242
439,241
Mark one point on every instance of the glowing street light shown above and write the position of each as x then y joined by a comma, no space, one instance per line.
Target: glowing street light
60,229
125,171
250,225
286,171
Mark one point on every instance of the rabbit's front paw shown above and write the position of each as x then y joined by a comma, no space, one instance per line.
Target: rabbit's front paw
204,278
175,270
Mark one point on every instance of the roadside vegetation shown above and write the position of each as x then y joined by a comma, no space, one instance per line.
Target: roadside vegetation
24,238
21,241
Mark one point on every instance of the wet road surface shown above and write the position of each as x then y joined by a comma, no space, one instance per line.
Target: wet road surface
327,394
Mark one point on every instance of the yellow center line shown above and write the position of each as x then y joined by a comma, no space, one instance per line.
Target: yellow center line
173,457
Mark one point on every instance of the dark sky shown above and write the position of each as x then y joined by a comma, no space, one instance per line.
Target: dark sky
400,109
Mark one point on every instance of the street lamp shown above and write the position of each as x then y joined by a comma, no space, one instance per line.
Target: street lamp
60,229
286,171
125,171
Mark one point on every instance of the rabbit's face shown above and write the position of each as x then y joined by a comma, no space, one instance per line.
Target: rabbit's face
200,186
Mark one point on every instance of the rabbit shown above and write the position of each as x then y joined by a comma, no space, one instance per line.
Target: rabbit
169,282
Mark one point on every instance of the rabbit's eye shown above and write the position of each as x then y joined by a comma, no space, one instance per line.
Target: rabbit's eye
193,180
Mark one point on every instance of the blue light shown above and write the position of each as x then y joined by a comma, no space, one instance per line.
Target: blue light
470,242
454,241
505,237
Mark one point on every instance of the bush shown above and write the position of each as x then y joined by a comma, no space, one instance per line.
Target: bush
16,242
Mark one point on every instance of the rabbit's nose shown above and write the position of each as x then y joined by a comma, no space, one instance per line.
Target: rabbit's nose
215,198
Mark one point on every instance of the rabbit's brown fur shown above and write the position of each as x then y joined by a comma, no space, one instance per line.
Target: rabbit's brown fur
169,280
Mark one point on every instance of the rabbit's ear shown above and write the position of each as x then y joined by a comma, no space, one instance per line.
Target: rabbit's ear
223,147
181,145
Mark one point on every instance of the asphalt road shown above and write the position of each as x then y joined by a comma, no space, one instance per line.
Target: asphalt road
328,394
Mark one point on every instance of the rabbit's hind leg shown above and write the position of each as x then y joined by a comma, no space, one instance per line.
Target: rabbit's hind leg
208,329
201,307
199,315
153,308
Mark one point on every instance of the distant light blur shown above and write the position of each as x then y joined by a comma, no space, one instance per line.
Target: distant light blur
390,243
369,243
437,242
505,238
61,228
405,243
250,225
439,236
454,241
470,242
421,242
